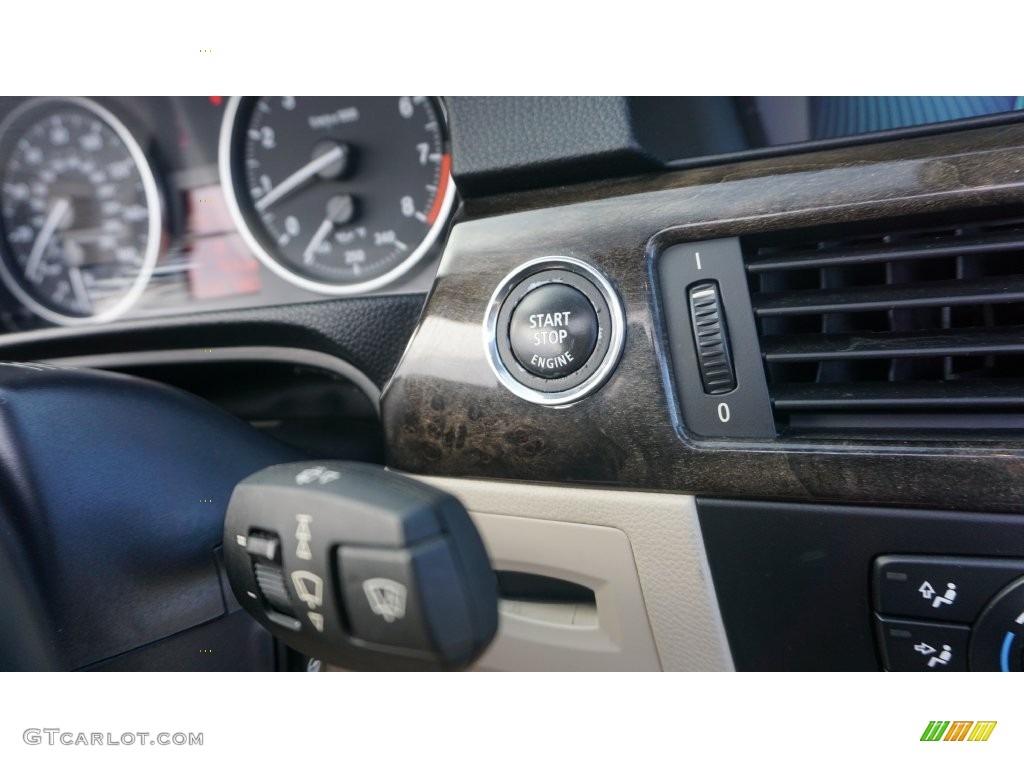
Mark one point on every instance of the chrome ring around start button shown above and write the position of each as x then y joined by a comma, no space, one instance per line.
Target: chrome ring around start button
579,380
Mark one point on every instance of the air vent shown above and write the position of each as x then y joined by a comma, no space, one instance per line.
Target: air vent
925,324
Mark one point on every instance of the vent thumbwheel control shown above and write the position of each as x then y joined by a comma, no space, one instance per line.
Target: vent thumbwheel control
711,339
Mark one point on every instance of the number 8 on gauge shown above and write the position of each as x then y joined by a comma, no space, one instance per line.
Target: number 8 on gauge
337,194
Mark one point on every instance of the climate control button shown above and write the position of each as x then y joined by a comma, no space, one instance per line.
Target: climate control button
998,644
940,588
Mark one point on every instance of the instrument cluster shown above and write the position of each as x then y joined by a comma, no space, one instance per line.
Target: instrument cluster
135,207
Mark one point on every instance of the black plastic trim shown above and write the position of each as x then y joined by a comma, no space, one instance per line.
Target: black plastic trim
977,395
744,410
369,332
936,293
793,580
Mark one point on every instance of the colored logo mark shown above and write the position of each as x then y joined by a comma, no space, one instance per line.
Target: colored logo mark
958,730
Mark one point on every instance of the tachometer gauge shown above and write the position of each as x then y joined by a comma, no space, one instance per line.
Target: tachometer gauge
337,194
80,214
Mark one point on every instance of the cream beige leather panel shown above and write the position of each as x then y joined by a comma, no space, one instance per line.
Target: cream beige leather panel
663,532
612,633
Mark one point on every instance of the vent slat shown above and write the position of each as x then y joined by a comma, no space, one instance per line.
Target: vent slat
922,323
873,255
868,346
931,293
974,395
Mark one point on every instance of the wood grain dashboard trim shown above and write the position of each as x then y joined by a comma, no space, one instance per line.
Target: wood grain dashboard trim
445,413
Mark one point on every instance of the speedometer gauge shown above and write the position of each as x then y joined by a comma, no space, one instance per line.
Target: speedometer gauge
337,194
80,216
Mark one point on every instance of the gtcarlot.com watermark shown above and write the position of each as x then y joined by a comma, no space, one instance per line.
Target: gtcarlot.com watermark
56,736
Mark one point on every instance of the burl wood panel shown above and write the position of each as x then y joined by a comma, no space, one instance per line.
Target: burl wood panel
445,413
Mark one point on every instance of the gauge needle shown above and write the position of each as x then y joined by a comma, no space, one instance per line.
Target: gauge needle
57,213
319,236
78,286
310,169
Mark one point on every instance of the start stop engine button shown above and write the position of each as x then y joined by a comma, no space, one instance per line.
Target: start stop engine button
553,331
